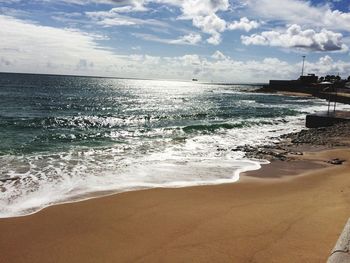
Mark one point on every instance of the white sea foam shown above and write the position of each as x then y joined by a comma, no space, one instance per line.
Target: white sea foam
202,159
65,177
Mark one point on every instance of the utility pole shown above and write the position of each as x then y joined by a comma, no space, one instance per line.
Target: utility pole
302,69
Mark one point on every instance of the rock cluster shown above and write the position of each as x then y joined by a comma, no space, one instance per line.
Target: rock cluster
336,161
265,152
284,149
336,135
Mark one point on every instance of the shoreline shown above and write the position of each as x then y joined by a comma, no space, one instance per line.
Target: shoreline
291,210
253,220
89,194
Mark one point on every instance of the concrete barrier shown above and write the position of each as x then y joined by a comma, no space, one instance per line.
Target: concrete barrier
325,119
341,251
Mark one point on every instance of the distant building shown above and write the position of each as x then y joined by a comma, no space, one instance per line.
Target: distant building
306,83
310,78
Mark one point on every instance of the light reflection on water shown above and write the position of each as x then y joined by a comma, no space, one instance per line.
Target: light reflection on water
68,136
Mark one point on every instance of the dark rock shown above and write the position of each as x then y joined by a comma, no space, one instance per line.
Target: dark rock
320,136
296,153
221,149
282,158
284,147
336,161
3,180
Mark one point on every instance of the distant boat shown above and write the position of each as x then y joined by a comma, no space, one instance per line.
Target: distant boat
194,79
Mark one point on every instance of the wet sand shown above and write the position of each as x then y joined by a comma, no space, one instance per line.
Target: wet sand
290,219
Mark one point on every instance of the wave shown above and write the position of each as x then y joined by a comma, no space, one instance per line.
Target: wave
67,177
227,126
109,121
45,179
64,122
76,142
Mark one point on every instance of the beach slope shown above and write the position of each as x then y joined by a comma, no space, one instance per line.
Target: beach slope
297,219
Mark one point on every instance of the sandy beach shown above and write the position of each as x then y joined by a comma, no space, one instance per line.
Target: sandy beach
290,219
212,131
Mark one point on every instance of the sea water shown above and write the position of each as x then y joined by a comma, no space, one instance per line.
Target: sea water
71,138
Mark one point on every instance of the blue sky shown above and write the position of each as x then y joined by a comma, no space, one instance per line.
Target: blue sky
219,40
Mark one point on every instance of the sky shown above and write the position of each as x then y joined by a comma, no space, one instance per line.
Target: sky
211,40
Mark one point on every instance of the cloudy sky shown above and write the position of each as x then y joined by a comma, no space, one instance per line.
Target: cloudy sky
212,40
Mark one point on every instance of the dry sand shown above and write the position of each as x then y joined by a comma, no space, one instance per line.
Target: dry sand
293,219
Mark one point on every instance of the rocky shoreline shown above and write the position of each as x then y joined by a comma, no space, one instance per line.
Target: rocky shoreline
289,146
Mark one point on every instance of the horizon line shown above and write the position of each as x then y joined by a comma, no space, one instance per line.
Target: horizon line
134,78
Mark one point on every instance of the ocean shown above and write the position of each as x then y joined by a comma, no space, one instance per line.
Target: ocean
66,139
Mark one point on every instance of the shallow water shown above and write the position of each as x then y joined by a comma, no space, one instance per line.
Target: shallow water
65,137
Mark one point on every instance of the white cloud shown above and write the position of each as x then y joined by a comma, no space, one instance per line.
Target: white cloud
295,37
326,60
113,18
215,39
210,24
193,8
202,13
42,49
326,65
127,6
299,12
219,55
9,1
190,39
119,21
243,24
190,60
34,47
206,14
